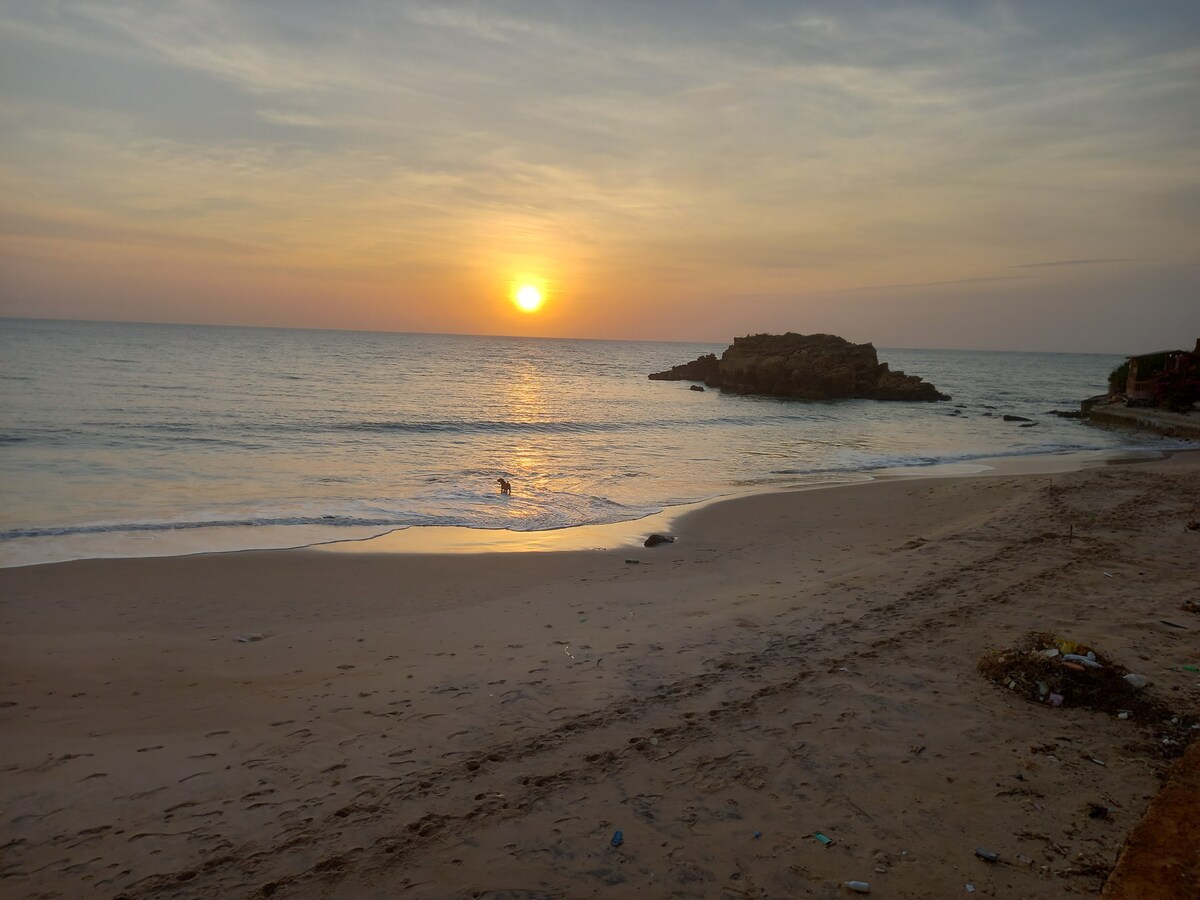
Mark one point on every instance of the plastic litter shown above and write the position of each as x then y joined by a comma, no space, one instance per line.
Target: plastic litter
987,855
1056,699
1088,662
249,638
634,562
1137,681
824,839
1190,669
859,887
618,838
970,888
757,835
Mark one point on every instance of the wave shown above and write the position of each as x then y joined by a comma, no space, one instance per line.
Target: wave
538,515
553,426
867,464
118,527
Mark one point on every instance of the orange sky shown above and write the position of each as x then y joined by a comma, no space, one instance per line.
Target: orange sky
1022,176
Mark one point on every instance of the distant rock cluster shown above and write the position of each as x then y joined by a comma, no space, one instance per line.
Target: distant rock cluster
804,367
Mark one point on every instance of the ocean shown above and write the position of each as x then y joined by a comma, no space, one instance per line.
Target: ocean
140,439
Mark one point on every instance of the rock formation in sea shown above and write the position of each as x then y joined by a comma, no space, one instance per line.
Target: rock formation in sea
805,367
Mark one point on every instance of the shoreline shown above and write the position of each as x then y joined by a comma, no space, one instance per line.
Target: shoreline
305,723
472,539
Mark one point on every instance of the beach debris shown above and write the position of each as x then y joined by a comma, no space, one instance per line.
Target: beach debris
1188,668
1106,575
655,539
618,838
859,887
1075,676
249,638
1096,811
633,562
757,835
1190,606
1012,418
1193,525
1171,624
987,855
696,387
824,839
970,888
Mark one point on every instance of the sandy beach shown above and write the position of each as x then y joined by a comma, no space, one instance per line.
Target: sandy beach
315,724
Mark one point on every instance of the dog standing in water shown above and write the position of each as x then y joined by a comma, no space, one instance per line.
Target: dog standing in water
505,487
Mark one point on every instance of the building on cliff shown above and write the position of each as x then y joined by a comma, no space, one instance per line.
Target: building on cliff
1144,368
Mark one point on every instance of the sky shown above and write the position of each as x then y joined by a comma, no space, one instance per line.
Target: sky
1006,175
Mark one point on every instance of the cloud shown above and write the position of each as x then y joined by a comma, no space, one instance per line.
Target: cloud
1078,262
804,148
923,284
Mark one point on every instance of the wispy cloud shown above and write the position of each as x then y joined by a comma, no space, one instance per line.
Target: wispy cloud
982,279
1078,262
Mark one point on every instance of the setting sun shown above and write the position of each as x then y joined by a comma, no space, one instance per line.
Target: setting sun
528,298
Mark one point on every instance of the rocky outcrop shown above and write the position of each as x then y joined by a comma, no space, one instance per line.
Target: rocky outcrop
702,369
803,366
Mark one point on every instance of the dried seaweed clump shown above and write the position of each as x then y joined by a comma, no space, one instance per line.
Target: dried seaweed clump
1044,668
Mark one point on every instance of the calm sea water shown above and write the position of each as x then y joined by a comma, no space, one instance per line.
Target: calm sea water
113,436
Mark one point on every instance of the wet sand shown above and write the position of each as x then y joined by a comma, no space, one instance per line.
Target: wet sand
480,725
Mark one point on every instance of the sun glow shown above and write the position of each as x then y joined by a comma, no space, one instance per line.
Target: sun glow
528,298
